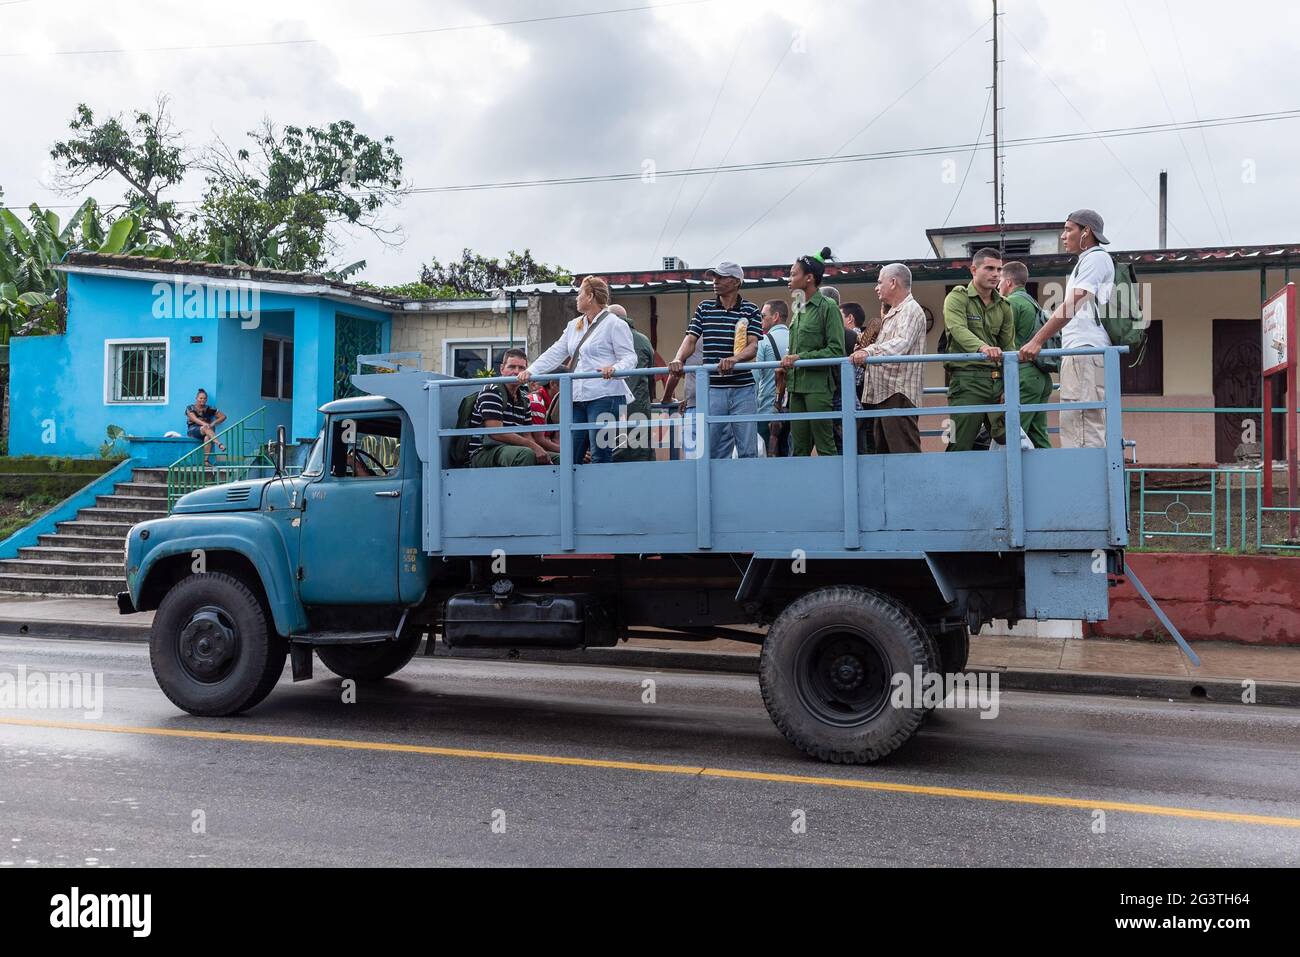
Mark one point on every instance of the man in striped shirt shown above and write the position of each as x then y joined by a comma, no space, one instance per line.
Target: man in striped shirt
503,406
729,327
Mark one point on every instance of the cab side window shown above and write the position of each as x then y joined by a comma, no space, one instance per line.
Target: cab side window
365,447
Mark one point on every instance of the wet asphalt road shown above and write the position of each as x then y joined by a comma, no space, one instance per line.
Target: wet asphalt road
120,797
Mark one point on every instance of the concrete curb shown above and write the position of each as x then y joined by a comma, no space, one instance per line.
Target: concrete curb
72,630
1169,688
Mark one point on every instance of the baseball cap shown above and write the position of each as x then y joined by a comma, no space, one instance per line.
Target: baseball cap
725,269
1089,218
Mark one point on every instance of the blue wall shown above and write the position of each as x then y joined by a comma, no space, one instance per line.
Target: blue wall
238,387
59,380
57,397
313,357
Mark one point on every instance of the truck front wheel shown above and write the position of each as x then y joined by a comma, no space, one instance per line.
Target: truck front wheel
827,673
212,648
374,661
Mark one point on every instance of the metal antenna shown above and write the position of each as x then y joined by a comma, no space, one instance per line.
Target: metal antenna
999,204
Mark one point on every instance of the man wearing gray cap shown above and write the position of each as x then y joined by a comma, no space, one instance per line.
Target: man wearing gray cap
1090,286
729,327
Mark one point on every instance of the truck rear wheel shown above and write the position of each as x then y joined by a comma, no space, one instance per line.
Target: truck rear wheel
954,649
374,661
212,648
827,668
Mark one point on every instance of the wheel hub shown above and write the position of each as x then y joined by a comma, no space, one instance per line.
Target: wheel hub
842,676
847,673
208,644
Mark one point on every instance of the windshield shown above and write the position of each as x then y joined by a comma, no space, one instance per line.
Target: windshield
316,457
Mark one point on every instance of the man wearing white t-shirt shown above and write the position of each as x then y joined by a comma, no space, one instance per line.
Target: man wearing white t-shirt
1091,283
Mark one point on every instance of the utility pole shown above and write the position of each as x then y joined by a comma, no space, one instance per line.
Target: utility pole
1164,209
999,214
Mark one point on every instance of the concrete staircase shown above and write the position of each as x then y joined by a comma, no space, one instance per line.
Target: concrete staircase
84,557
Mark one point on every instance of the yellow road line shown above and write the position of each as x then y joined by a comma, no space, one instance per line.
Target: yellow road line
969,794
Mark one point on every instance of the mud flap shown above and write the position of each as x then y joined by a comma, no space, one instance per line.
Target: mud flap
300,659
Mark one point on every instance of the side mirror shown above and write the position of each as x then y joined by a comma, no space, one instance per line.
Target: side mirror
280,442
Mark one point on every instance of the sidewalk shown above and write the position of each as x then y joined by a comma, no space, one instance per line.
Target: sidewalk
1090,666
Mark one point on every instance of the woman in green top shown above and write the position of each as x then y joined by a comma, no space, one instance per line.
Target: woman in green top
816,332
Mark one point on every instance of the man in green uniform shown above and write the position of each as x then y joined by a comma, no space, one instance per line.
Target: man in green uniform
816,332
635,444
1035,380
978,319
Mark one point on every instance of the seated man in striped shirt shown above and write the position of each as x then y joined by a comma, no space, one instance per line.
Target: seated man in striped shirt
502,406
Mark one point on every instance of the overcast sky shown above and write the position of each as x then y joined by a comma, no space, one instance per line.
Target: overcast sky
635,91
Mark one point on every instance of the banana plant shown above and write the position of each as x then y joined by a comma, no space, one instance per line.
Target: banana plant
29,253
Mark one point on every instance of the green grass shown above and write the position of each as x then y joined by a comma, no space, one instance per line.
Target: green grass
17,513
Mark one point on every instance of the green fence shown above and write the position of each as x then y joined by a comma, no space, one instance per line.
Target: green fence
1208,509
247,455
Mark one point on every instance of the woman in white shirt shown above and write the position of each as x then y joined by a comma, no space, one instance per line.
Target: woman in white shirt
602,343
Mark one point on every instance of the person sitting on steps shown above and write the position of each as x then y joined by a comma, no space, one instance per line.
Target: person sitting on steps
201,422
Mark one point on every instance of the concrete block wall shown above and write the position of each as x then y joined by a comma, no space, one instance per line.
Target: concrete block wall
426,332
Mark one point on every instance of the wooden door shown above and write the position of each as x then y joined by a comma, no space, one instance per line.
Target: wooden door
1236,355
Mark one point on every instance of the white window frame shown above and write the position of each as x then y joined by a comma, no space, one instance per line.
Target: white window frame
449,345
109,345
279,385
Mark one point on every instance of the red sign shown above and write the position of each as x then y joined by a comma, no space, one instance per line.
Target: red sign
1279,361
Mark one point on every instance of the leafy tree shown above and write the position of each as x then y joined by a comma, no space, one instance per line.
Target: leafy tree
476,275
274,203
413,290
148,156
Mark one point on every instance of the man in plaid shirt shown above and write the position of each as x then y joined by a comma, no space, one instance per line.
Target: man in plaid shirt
895,385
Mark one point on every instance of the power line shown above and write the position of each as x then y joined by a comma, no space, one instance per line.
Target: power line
740,129
1196,114
717,97
791,191
1196,177
978,139
302,41
834,159
1051,139
1070,103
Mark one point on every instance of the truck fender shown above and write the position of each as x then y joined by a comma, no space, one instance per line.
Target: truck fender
257,543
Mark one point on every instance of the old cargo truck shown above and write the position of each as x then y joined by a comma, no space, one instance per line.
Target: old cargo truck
861,567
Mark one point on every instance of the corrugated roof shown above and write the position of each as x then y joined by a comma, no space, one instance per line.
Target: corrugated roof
665,281
996,228
1151,260
196,267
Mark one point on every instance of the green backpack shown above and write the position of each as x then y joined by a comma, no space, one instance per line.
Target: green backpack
458,454
1122,317
1048,364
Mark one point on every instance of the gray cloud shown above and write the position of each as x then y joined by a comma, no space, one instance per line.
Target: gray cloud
604,94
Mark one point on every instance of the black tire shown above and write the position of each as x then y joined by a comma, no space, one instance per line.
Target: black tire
954,649
826,673
372,662
212,646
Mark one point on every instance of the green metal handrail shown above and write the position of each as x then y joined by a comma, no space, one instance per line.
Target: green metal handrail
1156,502
246,451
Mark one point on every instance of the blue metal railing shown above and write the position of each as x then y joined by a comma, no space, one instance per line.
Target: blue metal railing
848,416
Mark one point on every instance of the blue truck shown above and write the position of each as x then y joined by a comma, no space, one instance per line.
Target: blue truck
858,568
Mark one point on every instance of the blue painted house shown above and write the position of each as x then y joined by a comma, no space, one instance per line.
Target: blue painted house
143,335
